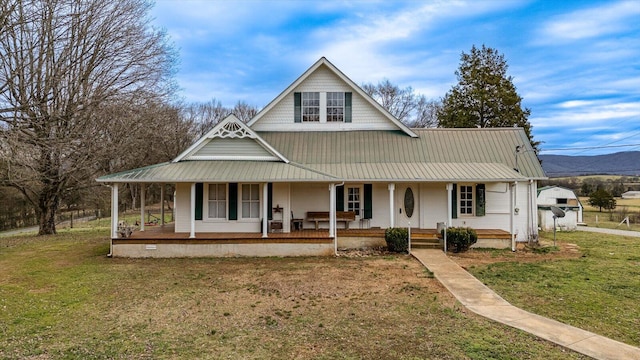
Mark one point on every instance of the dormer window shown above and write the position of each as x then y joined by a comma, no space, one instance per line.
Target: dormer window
322,107
335,106
310,106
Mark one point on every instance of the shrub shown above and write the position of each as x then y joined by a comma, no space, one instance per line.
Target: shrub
461,238
397,239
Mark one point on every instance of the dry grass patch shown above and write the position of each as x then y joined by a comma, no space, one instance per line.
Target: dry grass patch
64,299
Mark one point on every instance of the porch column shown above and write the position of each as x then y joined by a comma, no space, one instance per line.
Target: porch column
449,188
392,206
449,196
142,201
162,204
513,205
265,210
114,211
192,233
332,210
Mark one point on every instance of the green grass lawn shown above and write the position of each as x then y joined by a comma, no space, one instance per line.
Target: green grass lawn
598,291
62,298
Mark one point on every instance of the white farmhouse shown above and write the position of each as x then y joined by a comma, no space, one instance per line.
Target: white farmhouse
324,166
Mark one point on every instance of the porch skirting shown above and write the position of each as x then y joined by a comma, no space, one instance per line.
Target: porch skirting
162,242
159,249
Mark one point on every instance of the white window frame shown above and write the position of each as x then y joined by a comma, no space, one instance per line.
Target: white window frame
360,202
464,195
250,201
209,200
310,112
335,106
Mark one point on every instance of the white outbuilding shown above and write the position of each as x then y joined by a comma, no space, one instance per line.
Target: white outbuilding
631,195
564,199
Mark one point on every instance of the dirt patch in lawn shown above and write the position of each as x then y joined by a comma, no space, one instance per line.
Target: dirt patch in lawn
523,253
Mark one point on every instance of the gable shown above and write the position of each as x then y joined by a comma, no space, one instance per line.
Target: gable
323,78
231,149
231,139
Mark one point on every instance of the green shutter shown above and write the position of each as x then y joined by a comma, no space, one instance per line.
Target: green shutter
233,201
270,200
339,198
368,201
480,200
199,201
347,107
454,202
297,107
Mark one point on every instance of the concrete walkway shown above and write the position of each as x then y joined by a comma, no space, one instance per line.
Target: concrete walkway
483,301
609,231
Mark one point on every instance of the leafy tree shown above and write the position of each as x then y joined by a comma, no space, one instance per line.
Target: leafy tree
64,64
484,96
411,109
602,199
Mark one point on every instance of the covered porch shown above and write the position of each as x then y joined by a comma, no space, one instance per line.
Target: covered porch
163,241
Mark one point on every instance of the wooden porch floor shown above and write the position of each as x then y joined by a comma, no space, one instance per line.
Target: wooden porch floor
167,234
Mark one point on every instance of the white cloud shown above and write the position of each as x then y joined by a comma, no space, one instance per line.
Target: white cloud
591,22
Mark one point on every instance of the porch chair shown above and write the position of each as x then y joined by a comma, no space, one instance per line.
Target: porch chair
296,224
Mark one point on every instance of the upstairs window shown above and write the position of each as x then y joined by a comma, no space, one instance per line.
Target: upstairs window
335,106
321,107
310,106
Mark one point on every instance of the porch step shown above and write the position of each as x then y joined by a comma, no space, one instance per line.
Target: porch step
426,243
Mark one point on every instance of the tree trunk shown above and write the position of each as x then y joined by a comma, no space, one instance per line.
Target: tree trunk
47,206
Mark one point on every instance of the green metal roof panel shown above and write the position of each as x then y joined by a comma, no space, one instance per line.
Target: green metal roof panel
225,171
420,172
439,146
437,155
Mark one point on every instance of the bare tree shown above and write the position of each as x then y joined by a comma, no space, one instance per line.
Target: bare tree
244,111
411,109
63,64
203,116
426,113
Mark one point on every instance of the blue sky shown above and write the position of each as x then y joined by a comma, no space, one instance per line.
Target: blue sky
575,63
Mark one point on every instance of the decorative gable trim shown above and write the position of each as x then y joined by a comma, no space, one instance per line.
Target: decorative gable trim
230,128
343,77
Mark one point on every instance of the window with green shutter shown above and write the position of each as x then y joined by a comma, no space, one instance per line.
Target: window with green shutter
480,200
339,198
297,107
454,202
199,196
233,201
368,201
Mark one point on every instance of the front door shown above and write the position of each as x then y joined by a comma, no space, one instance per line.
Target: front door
406,206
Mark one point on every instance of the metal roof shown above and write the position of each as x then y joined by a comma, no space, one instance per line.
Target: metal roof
222,171
433,146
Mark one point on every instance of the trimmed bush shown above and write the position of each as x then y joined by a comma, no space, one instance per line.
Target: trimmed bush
460,238
397,239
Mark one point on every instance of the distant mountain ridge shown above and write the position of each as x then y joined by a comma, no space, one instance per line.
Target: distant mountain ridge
621,163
